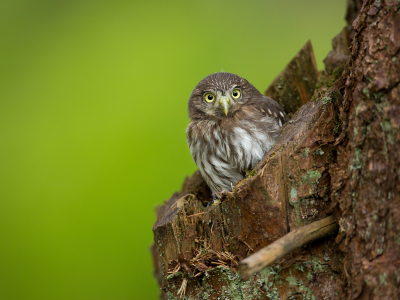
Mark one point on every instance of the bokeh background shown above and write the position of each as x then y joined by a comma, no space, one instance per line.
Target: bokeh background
93,99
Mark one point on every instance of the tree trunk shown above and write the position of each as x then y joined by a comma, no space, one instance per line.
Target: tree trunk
339,154
365,183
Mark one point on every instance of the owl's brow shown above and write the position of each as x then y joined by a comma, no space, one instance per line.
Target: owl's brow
234,86
223,88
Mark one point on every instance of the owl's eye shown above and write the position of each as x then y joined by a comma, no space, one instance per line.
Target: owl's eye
236,93
209,97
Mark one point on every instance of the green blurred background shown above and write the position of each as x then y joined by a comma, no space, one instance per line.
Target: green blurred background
93,98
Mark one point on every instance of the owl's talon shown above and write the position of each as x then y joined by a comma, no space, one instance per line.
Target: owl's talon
224,192
209,203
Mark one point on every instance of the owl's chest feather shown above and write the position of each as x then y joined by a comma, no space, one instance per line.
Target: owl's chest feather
242,145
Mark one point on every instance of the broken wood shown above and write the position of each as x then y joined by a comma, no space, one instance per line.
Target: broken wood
295,85
286,244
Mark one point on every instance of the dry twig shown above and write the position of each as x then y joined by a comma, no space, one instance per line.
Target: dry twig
199,214
286,244
182,290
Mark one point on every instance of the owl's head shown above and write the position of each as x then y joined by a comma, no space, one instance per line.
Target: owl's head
220,95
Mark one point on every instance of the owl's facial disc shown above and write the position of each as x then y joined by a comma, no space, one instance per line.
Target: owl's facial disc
220,103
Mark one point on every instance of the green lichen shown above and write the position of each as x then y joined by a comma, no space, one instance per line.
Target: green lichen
298,218
379,107
293,196
328,79
397,276
318,152
233,287
299,267
337,72
306,152
326,257
309,295
292,281
388,130
267,285
382,278
337,127
358,108
378,96
177,274
251,173
311,177
325,100
170,296
366,92
293,193
367,235
316,265
357,160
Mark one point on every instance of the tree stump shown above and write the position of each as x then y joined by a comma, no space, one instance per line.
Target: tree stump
339,154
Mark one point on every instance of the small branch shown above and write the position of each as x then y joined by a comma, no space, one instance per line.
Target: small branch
199,214
286,244
182,290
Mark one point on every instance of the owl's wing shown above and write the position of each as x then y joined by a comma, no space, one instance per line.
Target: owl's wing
269,106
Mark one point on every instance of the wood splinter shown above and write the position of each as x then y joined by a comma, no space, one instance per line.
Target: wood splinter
286,244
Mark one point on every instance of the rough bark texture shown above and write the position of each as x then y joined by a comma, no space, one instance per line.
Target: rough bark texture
339,154
365,179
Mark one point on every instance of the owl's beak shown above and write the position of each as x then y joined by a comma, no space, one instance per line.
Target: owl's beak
224,104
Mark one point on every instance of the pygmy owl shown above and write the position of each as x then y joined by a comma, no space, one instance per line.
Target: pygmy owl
232,126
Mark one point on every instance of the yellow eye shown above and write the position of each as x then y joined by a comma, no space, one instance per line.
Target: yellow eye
236,93
209,97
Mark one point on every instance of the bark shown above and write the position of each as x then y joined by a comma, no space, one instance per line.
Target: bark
365,179
339,154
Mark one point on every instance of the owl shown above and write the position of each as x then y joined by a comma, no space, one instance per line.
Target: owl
232,126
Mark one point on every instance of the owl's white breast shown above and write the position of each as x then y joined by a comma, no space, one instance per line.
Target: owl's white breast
252,139
224,153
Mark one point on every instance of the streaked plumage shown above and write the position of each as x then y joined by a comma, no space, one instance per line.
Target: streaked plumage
230,134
